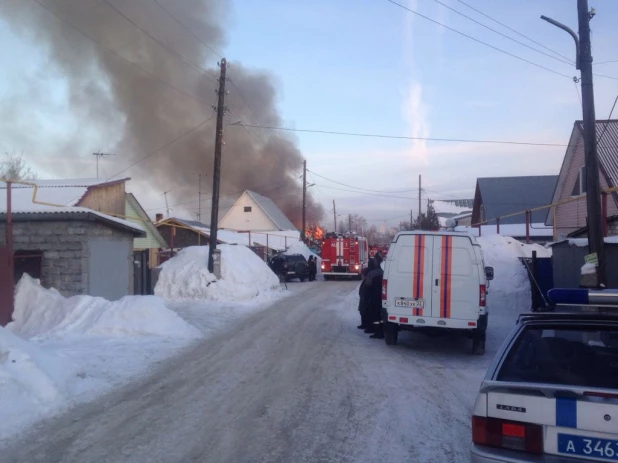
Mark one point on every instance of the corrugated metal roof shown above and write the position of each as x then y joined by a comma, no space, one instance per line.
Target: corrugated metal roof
607,147
272,211
506,195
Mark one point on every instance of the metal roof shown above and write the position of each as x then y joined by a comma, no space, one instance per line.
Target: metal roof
607,147
506,195
272,211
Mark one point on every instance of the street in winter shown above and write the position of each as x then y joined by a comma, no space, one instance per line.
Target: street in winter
264,231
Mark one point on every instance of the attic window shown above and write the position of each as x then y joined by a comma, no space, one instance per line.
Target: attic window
247,208
580,184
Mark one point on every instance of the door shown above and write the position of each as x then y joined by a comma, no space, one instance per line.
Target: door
455,279
108,267
410,281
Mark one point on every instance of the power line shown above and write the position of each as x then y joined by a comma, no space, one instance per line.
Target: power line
187,29
368,193
577,91
513,30
193,66
608,120
477,40
358,188
501,34
400,137
149,74
606,62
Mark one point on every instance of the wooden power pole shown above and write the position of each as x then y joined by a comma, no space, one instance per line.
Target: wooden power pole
419,202
583,62
335,215
214,214
302,233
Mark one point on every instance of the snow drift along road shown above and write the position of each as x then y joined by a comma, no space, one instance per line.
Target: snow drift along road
244,276
41,312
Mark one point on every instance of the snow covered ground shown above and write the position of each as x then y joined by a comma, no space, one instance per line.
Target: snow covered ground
61,351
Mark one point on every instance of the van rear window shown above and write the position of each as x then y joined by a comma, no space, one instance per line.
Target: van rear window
585,356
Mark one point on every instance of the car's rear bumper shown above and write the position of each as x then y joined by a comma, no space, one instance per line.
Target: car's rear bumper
490,455
434,322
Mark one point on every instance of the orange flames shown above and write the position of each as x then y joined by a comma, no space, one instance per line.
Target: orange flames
314,232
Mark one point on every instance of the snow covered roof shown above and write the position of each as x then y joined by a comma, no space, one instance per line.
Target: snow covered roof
448,207
516,230
272,211
67,192
72,213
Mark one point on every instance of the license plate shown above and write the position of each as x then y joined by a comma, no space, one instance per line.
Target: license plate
593,447
412,304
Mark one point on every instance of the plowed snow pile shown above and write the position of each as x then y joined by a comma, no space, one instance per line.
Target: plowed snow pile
244,276
510,285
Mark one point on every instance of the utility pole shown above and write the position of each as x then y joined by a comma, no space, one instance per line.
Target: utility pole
214,214
335,215
167,208
583,62
199,198
302,233
99,155
350,223
419,202
411,219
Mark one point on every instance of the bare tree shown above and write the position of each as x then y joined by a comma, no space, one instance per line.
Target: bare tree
15,167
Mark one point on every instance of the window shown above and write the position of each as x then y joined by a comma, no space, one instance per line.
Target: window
574,356
247,208
580,184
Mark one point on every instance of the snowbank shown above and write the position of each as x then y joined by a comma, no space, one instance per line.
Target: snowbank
510,286
244,276
41,312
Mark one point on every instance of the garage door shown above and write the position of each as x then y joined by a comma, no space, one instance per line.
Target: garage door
108,268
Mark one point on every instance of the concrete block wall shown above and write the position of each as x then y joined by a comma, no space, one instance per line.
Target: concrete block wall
65,250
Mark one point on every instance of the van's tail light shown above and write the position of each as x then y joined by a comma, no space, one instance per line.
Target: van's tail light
384,289
494,432
482,295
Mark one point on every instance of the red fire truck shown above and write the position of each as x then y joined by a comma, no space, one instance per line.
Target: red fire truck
344,255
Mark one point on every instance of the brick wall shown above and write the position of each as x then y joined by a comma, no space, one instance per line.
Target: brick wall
65,250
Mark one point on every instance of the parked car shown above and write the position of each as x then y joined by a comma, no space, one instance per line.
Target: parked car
551,393
297,267
436,282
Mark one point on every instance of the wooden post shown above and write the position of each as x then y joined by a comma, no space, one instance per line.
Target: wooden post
527,226
498,225
172,233
266,244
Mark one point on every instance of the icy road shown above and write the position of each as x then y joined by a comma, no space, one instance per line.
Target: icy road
294,383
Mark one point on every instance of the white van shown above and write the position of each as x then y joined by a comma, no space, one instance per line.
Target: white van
435,282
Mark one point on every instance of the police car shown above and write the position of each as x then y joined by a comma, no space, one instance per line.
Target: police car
551,393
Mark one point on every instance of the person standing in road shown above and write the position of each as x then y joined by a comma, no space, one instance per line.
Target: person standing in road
313,268
363,296
373,283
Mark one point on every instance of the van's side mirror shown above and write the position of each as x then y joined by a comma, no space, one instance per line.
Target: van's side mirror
489,273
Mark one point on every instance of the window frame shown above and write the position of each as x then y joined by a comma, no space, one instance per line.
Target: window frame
247,209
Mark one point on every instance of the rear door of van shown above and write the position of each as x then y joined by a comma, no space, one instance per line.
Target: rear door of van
456,279
409,273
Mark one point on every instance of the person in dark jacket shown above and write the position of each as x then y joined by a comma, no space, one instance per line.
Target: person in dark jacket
362,301
378,257
313,268
373,285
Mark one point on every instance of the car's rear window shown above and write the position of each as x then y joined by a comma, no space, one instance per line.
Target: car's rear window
580,356
295,259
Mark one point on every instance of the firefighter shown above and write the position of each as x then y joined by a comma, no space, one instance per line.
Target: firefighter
373,283
313,268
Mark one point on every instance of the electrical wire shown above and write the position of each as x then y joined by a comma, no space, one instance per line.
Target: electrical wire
578,94
369,193
503,35
606,62
513,30
477,40
358,188
169,13
608,120
193,66
400,137
109,50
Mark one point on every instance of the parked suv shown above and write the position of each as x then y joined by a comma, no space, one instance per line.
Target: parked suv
551,393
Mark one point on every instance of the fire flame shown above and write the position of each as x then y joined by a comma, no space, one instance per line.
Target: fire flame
314,232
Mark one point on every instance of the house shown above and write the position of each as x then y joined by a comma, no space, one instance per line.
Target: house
182,233
145,249
460,210
508,199
69,234
569,216
257,213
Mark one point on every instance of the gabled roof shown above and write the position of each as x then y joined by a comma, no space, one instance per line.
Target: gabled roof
145,221
279,219
607,151
65,192
502,196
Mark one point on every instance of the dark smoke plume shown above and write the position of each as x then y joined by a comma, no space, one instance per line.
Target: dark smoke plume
128,112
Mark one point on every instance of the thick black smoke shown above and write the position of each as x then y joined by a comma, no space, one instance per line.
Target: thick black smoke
131,113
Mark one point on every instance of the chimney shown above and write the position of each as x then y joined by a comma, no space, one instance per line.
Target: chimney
158,218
